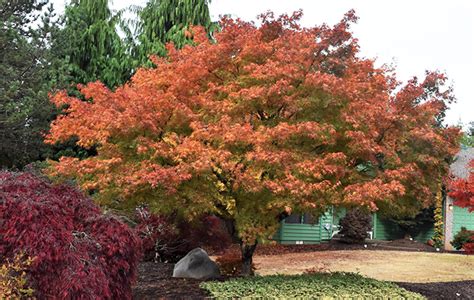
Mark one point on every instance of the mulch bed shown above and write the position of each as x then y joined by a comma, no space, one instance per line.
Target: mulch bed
442,290
155,281
333,245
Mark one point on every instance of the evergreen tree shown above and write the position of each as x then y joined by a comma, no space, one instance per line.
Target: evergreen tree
91,46
25,111
164,21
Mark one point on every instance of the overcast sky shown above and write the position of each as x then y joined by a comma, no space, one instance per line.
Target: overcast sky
415,35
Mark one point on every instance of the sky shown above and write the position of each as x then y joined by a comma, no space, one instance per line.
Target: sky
413,35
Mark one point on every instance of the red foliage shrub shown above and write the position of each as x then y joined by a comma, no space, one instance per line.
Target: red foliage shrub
355,225
159,235
79,252
165,238
469,247
209,232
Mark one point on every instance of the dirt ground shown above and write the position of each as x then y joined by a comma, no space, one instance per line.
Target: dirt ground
400,266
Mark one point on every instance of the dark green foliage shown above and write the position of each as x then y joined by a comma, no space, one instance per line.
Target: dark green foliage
311,286
25,70
91,46
355,225
462,237
164,21
413,226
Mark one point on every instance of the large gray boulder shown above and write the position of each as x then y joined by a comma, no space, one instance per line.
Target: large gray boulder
197,265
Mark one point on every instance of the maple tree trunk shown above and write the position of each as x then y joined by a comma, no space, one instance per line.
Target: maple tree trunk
247,255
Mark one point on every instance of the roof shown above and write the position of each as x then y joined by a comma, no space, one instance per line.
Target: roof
460,166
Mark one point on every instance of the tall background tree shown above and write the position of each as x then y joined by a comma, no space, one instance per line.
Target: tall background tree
91,46
25,72
260,120
165,21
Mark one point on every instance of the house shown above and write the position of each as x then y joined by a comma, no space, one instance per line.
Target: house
456,217
302,229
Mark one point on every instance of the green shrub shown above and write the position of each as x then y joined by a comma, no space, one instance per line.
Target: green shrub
313,286
462,237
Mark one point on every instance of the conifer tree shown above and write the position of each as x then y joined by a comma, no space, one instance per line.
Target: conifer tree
164,21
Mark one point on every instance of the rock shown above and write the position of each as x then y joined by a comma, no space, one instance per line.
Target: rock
197,265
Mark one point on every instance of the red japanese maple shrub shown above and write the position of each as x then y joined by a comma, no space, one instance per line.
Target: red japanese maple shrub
208,231
79,253
159,236
168,238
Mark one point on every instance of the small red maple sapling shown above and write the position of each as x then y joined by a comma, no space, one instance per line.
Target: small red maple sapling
259,120
462,191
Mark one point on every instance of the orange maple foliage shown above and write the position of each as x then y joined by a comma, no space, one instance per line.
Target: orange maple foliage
260,120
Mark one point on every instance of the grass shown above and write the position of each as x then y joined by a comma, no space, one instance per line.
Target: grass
398,266
307,286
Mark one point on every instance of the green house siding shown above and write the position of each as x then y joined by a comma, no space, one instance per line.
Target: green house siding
387,230
291,233
462,218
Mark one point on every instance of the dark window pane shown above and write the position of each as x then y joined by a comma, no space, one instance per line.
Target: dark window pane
293,219
309,219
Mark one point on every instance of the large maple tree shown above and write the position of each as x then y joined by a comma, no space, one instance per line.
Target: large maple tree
261,120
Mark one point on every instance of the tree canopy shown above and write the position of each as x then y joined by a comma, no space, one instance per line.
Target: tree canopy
260,121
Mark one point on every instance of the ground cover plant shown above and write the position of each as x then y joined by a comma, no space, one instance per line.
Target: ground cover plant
308,286
77,251
260,121
13,283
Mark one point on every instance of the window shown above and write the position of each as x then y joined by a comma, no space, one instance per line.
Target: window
305,218
293,219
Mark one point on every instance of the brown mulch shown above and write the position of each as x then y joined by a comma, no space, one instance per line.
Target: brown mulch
278,249
155,282
442,290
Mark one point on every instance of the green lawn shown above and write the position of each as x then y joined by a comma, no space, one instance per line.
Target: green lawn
314,286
